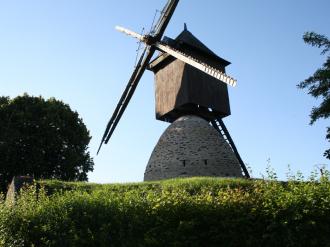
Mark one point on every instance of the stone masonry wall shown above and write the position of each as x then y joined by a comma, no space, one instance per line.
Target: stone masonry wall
190,146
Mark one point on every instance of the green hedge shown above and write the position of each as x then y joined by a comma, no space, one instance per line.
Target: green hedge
186,212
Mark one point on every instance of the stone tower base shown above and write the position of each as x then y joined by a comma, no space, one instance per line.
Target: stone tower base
189,147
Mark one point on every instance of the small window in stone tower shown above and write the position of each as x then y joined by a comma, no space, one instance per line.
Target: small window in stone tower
205,162
184,163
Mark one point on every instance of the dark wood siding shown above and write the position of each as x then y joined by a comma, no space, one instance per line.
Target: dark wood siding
182,89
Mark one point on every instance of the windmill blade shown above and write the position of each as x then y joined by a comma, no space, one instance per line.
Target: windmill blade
164,19
114,114
131,33
160,27
140,68
127,94
196,63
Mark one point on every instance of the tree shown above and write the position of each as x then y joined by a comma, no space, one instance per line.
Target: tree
319,83
42,138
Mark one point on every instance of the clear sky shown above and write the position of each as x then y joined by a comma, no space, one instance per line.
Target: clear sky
70,50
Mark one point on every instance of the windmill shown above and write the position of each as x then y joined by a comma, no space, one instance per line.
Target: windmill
191,88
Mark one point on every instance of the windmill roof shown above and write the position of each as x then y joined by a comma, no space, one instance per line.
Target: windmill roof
188,43
188,38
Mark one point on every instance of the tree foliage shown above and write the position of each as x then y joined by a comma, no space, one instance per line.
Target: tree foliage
42,138
318,84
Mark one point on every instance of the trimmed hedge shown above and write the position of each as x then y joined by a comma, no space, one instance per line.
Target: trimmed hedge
183,212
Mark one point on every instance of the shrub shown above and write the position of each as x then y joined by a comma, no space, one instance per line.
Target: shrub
182,212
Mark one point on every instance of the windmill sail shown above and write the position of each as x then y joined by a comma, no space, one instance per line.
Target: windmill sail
138,71
196,63
129,90
164,47
131,33
164,19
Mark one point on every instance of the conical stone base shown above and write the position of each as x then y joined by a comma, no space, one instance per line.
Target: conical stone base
189,147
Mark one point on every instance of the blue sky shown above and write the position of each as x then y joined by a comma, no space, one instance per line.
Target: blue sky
71,51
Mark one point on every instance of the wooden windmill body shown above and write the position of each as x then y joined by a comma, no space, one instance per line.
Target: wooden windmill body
192,95
182,89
